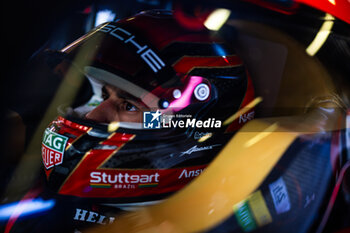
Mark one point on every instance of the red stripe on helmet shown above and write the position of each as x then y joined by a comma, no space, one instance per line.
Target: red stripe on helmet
186,64
77,181
337,8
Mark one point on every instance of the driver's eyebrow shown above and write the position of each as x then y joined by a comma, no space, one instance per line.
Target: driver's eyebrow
121,94
134,100
124,95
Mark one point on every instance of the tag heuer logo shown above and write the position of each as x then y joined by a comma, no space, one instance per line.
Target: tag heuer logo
52,149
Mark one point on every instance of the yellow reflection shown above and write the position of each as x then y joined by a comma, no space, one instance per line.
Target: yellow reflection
205,137
321,36
217,18
248,107
261,135
113,126
332,2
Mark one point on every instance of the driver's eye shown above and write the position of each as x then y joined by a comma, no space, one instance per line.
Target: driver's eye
130,107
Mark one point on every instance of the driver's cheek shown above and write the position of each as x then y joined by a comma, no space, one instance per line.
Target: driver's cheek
106,112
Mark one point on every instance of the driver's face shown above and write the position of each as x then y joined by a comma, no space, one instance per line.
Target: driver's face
117,106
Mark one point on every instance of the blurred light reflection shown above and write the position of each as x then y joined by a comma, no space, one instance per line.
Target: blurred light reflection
332,2
217,18
26,207
261,135
321,36
104,16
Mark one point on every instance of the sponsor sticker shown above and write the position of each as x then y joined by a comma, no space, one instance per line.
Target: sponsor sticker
280,196
196,149
91,216
129,182
252,212
190,173
123,180
244,216
52,149
246,117
260,211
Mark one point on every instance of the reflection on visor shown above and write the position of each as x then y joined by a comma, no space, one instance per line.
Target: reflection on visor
194,89
104,76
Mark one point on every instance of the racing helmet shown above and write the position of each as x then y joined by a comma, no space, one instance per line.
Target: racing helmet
182,89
